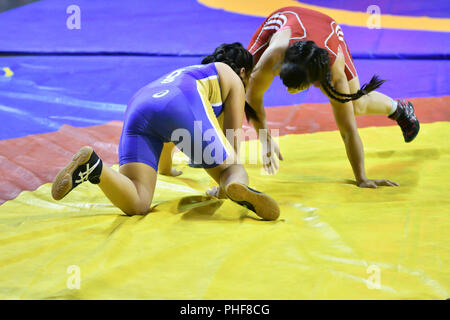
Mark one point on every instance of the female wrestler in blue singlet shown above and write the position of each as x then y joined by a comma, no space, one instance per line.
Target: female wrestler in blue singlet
179,108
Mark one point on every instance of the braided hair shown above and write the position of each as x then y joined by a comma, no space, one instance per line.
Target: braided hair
237,57
305,63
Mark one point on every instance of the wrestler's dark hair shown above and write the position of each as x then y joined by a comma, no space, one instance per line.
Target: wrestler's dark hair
234,55
237,57
305,63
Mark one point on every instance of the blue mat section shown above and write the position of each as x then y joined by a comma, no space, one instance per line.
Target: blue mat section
46,92
419,8
123,45
183,27
367,43
134,26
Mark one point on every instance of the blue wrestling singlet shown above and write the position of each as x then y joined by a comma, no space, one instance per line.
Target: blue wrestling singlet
180,107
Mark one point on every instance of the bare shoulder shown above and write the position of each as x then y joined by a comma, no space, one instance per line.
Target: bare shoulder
281,38
271,60
338,67
228,79
339,63
221,67
225,72
280,43
277,53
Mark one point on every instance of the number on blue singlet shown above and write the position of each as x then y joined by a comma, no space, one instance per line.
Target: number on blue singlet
172,76
160,94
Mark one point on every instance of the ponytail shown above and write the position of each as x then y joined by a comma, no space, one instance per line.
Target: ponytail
373,84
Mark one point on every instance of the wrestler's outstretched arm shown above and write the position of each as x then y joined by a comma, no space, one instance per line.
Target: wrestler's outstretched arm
260,81
346,122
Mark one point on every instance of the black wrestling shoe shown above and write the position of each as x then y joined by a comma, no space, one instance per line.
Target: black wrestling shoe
258,202
85,166
406,119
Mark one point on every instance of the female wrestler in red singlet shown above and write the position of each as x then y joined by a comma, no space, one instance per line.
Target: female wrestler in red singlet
305,47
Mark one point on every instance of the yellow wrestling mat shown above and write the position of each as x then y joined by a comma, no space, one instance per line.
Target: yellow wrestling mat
332,241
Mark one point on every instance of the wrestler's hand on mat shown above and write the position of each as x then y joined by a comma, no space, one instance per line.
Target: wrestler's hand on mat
374,183
270,151
171,173
216,192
